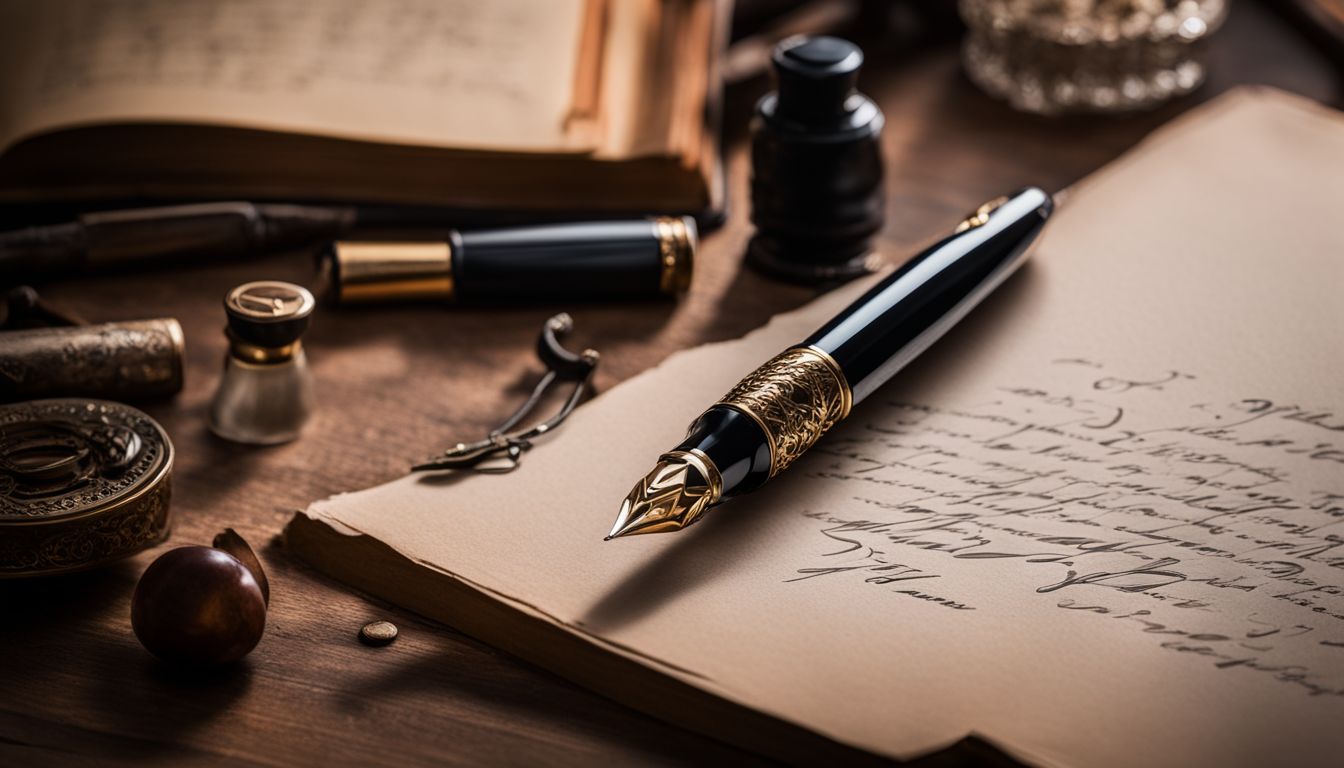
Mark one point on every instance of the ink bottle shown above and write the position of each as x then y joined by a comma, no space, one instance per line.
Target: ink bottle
816,186
265,395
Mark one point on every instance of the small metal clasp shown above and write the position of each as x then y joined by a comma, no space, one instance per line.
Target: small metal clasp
980,216
502,450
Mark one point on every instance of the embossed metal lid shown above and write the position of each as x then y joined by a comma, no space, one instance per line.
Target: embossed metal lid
82,483
269,313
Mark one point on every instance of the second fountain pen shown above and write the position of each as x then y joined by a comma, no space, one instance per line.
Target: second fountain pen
782,408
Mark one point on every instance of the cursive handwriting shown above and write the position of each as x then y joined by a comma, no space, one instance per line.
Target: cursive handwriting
1217,528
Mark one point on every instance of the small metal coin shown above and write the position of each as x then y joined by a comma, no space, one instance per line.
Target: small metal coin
378,633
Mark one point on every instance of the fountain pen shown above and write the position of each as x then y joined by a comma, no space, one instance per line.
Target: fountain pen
774,415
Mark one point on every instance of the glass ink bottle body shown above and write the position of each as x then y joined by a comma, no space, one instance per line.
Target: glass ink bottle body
265,394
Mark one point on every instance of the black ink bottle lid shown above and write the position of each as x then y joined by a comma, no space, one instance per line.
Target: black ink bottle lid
816,187
268,313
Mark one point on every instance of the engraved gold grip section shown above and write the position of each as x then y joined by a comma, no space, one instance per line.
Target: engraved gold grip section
795,398
370,272
981,214
676,253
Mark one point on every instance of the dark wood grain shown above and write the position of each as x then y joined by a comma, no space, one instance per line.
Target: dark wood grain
398,384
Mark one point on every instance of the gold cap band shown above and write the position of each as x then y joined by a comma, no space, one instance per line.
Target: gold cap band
676,252
368,272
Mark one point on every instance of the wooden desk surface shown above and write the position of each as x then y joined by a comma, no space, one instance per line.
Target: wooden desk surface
395,385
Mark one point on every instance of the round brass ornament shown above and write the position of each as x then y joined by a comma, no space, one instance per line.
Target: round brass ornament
82,483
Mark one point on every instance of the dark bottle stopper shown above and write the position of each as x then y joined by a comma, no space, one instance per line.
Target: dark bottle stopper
269,314
816,186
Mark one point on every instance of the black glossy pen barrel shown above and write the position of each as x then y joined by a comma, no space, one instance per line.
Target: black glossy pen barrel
585,261
615,260
891,324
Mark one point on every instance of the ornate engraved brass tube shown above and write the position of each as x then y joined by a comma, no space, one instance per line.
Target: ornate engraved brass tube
132,360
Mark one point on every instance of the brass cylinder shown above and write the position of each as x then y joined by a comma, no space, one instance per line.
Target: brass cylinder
131,360
373,272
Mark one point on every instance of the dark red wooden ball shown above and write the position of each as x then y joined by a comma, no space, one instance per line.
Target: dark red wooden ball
198,605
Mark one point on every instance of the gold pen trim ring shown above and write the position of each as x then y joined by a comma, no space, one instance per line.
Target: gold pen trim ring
705,466
847,395
676,253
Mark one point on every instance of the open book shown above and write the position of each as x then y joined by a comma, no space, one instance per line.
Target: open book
1100,523
560,105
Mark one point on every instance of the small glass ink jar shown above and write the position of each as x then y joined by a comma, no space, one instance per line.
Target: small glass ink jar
265,395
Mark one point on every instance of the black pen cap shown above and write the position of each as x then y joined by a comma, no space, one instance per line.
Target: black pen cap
603,260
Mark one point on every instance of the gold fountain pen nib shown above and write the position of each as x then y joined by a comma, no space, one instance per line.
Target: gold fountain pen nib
674,495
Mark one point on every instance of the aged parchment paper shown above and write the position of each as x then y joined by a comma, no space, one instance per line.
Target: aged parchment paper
1099,524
